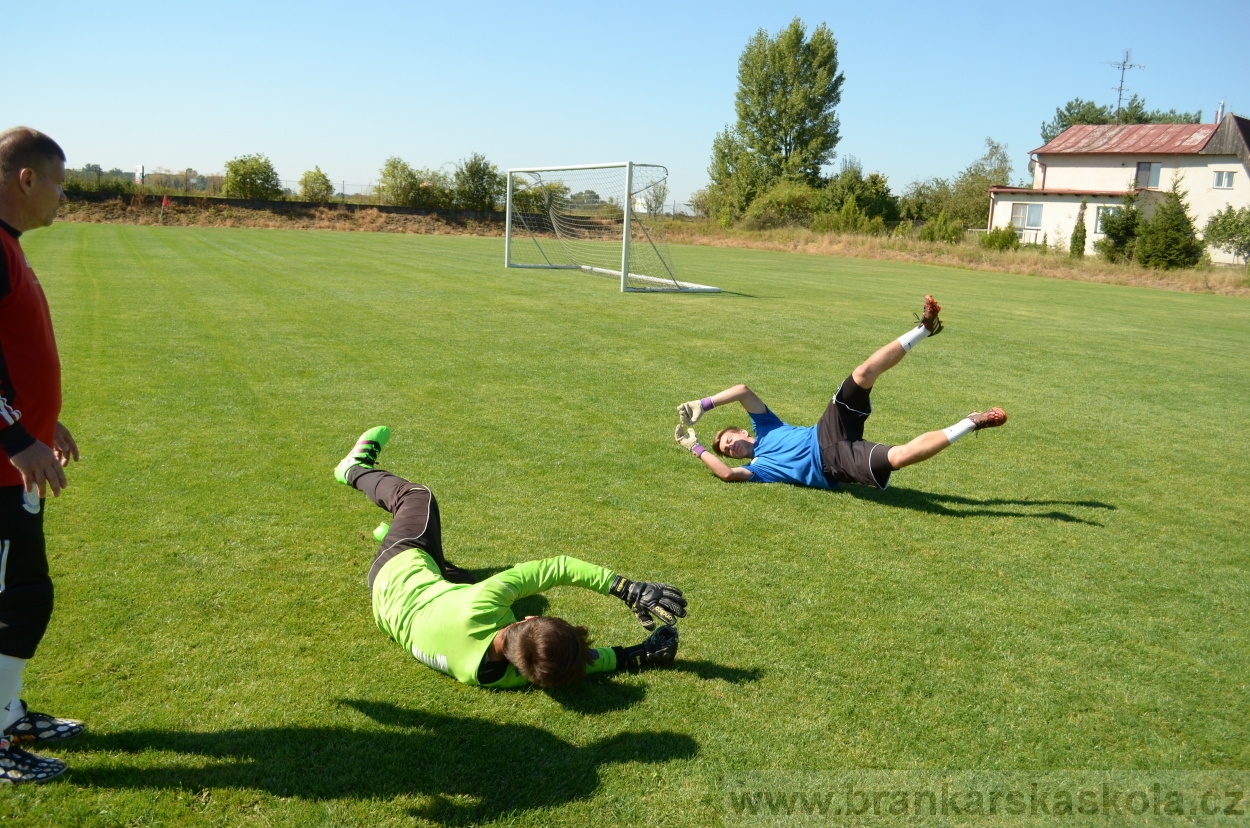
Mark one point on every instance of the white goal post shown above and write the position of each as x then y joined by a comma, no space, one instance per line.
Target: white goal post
600,218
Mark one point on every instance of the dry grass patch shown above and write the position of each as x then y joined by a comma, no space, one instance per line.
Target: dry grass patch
1208,279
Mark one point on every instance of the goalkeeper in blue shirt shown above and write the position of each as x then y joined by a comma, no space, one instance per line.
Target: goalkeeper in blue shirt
834,450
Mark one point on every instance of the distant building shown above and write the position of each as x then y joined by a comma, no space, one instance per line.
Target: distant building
1101,163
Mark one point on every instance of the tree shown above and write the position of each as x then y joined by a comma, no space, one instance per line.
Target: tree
965,199
653,197
397,183
1076,111
1080,111
970,197
788,87
1119,229
252,176
315,185
1167,239
737,177
1076,247
478,184
401,185
923,200
1229,230
871,194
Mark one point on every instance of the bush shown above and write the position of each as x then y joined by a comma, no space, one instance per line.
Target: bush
1229,230
252,176
942,229
1167,240
315,185
1120,232
787,204
1076,247
1001,238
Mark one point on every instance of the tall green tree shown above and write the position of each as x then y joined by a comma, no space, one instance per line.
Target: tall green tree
788,88
1080,111
478,184
252,176
1167,240
315,185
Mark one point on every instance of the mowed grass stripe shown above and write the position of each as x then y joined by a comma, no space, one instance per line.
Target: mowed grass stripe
1063,592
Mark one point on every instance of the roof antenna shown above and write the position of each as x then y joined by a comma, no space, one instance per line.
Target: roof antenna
1123,66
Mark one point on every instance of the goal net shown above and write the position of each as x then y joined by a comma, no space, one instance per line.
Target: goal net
600,218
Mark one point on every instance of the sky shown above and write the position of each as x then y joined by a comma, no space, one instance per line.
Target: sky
345,86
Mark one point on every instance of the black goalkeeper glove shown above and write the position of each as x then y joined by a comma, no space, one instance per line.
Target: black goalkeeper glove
658,650
647,599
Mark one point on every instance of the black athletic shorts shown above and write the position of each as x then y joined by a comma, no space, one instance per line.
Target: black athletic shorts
25,588
845,456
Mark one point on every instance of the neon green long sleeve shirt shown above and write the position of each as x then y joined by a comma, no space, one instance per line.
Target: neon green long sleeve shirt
450,626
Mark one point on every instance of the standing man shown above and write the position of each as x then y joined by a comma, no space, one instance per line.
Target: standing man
834,450
35,445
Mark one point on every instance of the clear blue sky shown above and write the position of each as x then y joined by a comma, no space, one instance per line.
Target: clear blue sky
344,86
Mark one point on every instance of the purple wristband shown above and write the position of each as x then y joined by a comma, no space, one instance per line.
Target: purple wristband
707,403
698,450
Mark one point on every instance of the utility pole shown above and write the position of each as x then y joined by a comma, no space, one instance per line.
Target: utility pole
1123,65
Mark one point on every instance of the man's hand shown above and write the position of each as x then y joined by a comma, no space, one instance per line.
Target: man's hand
689,413
659,650
647,599
686,438
40,466
63,445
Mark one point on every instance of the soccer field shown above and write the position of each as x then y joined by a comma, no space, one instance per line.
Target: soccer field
1068,591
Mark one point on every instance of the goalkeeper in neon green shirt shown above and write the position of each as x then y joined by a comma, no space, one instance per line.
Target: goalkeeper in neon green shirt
467,630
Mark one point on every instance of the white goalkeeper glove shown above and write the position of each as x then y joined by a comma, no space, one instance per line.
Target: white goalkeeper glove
690,412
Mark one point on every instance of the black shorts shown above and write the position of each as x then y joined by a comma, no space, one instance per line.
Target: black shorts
845,456
25,588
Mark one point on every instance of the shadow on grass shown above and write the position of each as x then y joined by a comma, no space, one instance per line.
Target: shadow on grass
711,670
468,770
958,506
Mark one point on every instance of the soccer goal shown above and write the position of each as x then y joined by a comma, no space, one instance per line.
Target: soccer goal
600,218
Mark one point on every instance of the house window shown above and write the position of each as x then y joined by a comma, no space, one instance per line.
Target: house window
1026,216
1148,174
1223,181
1102,213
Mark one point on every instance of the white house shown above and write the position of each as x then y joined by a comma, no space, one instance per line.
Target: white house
1099,164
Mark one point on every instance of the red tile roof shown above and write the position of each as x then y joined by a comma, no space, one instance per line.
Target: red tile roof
1135,139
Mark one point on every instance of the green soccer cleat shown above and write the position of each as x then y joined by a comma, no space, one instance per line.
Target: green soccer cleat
364,453
380,533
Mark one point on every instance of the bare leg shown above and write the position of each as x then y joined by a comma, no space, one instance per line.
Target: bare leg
921,448
885,358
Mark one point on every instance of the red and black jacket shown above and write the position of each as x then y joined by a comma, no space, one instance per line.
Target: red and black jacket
30,370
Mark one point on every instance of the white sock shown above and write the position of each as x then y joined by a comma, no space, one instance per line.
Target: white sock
959,429
11,687
909,339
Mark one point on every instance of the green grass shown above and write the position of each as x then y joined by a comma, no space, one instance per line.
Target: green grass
1065,592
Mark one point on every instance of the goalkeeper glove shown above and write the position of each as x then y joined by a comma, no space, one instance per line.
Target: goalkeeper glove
659,650
686,438
690,412
647,599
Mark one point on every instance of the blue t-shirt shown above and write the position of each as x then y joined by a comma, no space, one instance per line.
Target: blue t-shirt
785,453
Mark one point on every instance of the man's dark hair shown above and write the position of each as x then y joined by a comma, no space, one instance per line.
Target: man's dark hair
550,652
721,433
22,147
